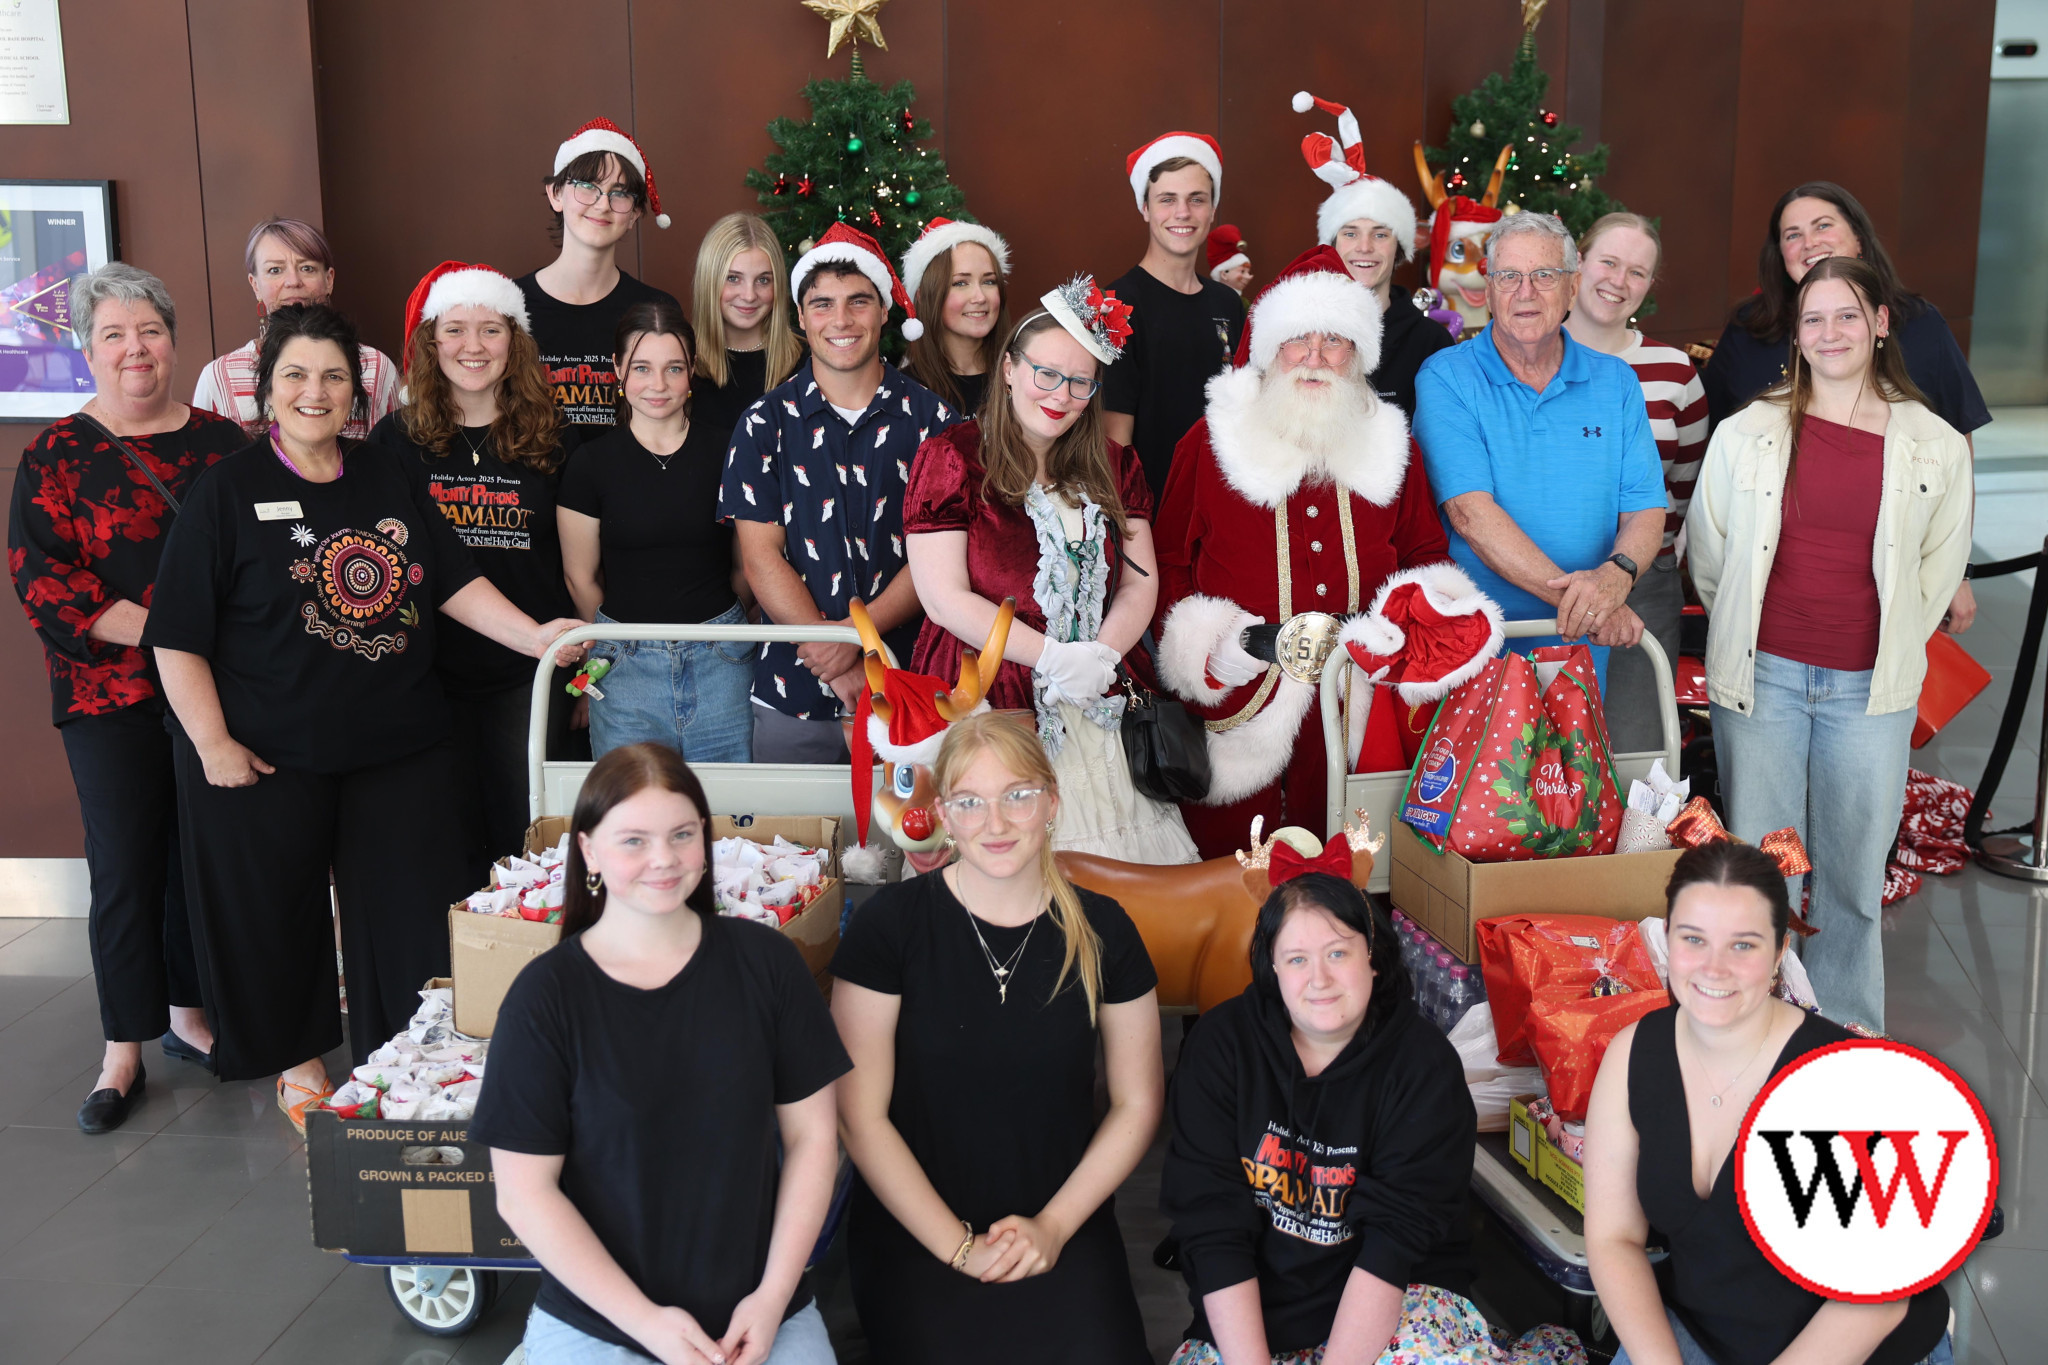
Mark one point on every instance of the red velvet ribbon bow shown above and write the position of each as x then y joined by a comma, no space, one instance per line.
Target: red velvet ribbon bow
1697,825
1285,864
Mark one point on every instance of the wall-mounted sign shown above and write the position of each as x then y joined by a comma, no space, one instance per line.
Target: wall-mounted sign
32,63
51,232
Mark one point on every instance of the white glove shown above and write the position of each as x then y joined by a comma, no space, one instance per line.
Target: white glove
1231,664
1078,671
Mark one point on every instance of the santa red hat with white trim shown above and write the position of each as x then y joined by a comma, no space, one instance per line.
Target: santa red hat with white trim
1199,148
454,284
1315,293
1226,250
1429,631
940,236
1354,194
602,135
849,244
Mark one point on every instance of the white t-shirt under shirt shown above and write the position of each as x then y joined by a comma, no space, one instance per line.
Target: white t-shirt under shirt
575,341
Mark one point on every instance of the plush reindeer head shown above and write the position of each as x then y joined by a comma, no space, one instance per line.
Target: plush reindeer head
902,719
1457,236
1348,855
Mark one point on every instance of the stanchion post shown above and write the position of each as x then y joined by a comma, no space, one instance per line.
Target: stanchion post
2026,857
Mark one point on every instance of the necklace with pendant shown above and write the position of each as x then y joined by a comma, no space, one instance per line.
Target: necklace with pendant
1001,970
476,455
1715,1098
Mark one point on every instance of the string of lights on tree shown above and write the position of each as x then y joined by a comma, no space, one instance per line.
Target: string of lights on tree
856,160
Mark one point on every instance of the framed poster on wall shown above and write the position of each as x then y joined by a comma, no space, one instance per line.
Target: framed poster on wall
51,232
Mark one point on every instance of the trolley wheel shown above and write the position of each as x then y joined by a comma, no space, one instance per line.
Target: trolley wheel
440,1300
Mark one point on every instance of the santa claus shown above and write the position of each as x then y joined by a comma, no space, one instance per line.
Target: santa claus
1298,501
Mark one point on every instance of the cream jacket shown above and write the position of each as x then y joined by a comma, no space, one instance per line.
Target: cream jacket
1917,557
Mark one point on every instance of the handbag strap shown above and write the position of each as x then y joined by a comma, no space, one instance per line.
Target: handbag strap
129,452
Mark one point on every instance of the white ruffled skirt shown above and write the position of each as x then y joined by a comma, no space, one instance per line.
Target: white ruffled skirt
1100,811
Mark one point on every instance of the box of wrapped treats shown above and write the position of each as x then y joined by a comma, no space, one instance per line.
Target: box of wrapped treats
779,870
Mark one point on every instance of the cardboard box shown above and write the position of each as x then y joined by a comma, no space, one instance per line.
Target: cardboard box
486,951
1448,895
1535,1153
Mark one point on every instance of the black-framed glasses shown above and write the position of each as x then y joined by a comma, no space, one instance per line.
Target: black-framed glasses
619,197
1049,380
1545,279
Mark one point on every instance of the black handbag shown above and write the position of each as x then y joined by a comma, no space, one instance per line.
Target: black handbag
1167,748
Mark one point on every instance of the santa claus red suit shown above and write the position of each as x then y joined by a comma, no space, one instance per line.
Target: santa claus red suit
1299,506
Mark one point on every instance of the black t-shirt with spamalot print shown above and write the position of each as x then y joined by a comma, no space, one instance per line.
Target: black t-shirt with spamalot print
316,605
575,342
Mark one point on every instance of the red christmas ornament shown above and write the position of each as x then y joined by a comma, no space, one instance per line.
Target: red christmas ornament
1457,180
804,188
781,185
875,217
909,121
1550,118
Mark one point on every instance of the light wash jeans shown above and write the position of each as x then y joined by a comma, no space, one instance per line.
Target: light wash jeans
1809,757
1690,1352
692,696
550,1341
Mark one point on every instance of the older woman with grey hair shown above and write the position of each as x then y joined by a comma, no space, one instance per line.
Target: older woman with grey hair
93,498
289,262
1539,450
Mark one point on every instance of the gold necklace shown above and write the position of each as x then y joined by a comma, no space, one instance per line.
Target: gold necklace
1715,1098
476,456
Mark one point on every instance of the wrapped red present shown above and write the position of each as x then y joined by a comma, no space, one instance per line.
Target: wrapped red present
1561,958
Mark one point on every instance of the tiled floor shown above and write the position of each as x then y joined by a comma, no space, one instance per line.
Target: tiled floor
184,1236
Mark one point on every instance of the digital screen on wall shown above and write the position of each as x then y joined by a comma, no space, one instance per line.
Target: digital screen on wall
51,233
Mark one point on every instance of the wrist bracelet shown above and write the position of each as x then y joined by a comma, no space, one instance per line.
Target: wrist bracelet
960,1256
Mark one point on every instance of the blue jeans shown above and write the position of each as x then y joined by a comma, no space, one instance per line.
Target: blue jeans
550,1341
691,696
1690,1352
1808,756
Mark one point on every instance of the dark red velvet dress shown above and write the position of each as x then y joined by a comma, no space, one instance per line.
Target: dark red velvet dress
944,494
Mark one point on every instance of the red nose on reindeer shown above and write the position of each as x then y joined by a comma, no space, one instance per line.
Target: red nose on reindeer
917,823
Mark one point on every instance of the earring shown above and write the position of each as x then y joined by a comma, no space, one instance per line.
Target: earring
592,883
1880,341
1048,826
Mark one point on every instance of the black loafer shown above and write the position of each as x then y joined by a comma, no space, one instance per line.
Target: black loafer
106,1110
177,1047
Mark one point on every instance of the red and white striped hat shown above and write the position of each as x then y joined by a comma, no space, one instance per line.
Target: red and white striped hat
1354,194
1197,147
942,235
602,135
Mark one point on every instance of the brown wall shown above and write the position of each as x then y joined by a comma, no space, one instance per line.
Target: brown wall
422,134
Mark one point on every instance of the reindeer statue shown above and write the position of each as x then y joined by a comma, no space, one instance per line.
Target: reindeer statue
1196,918
1457,238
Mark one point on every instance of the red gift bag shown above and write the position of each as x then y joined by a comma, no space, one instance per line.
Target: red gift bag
1570,1038
1516,764
1527,957
1953,681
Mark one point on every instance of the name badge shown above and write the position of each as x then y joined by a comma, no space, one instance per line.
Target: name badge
278,511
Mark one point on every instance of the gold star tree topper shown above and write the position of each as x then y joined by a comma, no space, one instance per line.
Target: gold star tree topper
859,20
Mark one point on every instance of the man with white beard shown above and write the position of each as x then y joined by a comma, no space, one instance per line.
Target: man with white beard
1297,501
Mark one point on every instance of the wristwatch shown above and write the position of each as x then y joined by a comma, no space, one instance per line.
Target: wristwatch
1627,566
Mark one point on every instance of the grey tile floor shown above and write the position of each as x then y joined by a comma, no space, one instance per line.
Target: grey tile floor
184,1236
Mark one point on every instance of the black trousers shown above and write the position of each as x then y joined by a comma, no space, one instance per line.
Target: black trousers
256,876
128,799
490,753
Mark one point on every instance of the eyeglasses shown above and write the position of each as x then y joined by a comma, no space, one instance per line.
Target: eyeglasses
1336,350
1048,380
1545,280
619,197
967,814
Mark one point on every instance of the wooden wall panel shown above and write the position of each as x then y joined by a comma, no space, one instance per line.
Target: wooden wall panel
1934,242
1667,63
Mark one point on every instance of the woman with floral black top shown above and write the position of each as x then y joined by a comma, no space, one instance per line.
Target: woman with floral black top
83,538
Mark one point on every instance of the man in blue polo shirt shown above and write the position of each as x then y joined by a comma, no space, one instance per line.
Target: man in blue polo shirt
813,486
1539,450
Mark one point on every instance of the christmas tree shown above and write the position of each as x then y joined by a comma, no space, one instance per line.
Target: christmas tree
1543,176
855,161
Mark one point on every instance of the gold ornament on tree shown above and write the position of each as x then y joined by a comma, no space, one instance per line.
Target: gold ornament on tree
855,20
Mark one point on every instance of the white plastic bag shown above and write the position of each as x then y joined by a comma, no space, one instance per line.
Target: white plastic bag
1492,1085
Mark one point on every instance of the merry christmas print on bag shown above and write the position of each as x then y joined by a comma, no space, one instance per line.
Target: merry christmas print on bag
1533,732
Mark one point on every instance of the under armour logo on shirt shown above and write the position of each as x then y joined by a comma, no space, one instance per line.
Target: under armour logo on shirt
1589,431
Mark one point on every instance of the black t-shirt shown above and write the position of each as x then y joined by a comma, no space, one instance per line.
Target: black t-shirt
1744,367
718,409
505,514
316,604
662,1105
1407,338
1178,341
575,342
666,559
996,1100
973,388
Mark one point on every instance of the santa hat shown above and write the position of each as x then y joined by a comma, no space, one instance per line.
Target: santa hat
1315,293
1461,218
1429,630
940,236
856,248
602,135
1099,320
452,284
1197,147
1354,194
1226,250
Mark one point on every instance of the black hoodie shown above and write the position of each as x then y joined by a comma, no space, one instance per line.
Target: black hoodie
1292,1179
1408,336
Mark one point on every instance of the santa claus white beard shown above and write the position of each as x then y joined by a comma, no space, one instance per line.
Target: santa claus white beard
1319,419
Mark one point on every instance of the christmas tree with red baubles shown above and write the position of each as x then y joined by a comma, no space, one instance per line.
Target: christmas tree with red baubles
1543,175
857,159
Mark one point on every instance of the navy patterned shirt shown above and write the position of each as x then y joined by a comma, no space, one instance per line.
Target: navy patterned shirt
837,490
